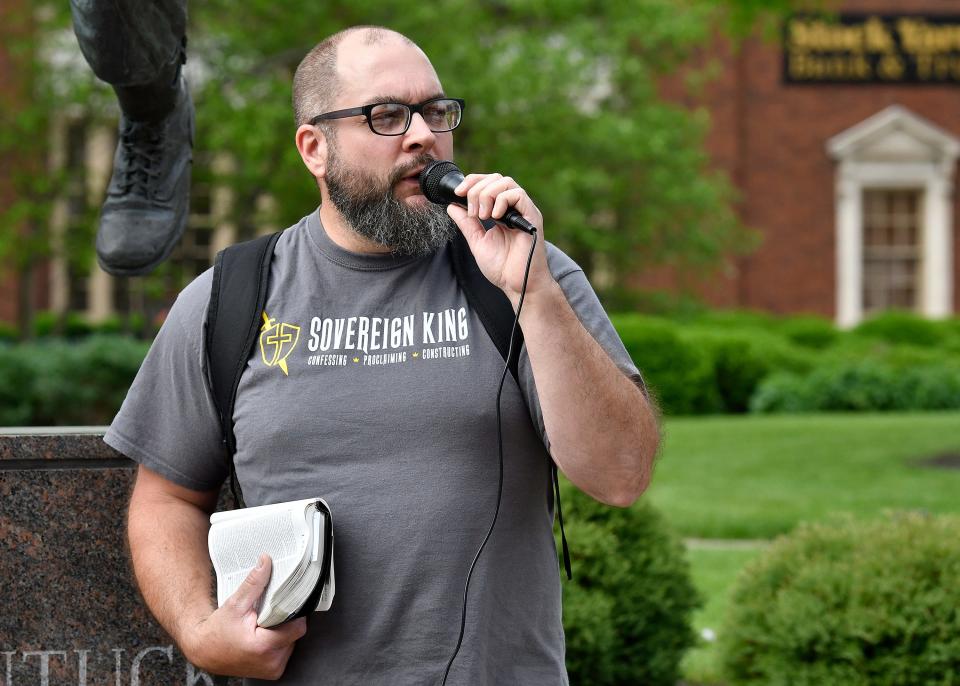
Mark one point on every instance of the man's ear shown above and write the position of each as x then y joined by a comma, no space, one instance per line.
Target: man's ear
312,146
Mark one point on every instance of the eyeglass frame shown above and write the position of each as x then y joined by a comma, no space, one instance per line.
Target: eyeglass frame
365,110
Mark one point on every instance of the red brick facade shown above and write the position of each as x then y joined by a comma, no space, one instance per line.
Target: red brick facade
770,138
15,19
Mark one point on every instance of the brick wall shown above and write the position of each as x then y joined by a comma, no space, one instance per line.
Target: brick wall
770,138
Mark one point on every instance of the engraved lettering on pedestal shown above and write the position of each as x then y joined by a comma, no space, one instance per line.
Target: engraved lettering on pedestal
81,666
8,654
138,658
117,653
193,676
44,662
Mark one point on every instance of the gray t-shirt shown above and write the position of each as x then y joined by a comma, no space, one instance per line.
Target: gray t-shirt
373,385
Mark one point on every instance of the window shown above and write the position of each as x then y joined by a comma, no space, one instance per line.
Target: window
892,249
894,216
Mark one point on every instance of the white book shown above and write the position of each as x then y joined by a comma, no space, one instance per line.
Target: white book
298,537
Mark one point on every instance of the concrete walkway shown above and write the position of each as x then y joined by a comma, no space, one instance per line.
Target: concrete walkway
726,543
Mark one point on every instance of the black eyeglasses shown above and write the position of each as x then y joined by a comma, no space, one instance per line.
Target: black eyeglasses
393,118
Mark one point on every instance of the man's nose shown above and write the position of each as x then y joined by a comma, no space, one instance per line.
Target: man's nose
418,136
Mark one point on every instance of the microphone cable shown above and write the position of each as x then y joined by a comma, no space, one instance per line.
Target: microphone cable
496,511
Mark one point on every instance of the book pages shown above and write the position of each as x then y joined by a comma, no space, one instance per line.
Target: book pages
294,535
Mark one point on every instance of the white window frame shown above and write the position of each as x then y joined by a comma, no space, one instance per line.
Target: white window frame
920,156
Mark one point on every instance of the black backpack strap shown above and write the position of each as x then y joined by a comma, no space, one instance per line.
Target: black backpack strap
489,302
239,292
496,314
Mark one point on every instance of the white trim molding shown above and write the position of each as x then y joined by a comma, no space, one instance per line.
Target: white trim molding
895,148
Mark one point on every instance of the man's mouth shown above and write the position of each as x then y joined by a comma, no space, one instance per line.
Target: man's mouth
409,185
414,176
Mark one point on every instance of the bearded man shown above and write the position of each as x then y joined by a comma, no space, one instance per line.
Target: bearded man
403,446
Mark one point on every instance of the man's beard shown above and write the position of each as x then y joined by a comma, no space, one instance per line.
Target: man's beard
372,210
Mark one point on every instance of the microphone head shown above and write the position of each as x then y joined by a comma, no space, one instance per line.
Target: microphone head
435,184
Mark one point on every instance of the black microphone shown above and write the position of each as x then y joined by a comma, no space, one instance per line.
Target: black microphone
440,177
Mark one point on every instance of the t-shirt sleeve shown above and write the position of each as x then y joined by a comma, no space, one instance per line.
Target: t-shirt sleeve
168,421
585,304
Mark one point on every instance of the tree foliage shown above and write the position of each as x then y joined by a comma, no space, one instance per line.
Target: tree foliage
562,95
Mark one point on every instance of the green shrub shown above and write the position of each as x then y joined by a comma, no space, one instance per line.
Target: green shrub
8,333
783,392
950,329
627,613
931,388
73,325
110,325
865,386
45,324
16,386
678,373
57,382
902,327
76,325
847,602
898,357
735,319
741,359
861,386
810,332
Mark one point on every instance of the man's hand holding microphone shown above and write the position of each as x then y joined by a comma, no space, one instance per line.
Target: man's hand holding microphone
500,252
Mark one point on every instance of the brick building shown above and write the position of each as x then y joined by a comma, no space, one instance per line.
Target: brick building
842,139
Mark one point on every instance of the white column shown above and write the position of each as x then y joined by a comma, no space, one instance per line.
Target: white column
937,284
59,281
221,205
849,222
101,146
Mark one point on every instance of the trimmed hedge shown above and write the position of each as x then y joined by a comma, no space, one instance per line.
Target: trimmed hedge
866,386
902,327
849,602
741,359
738,361
73,325
810,332
678,373
693,369
627,613
712,362
56,382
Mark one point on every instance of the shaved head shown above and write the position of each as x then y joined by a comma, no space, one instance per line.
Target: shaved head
315,83
369,183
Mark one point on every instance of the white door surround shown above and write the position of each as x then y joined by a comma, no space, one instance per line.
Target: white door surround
895,148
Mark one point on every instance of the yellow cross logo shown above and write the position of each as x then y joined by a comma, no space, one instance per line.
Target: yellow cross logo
277,341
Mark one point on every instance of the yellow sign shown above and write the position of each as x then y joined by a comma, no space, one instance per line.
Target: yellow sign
876,48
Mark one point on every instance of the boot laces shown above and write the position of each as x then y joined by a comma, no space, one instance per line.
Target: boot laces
141,147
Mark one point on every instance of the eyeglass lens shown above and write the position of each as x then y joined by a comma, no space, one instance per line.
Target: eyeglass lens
393,118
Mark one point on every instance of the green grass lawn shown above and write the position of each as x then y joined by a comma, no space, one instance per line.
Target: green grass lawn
754,477
713,571
758,476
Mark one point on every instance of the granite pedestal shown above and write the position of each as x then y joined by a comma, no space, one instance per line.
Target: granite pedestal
70,612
